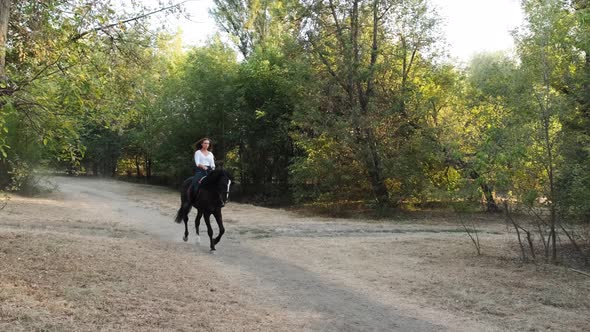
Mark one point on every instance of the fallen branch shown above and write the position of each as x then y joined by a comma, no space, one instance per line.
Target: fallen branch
581,272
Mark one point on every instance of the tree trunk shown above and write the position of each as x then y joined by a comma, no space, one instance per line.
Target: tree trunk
4,16
242,164
457,163
375,171
4,176
365,95
113,168
137,167
491,205
148,166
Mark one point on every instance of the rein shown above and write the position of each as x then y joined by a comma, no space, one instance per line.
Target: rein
212,179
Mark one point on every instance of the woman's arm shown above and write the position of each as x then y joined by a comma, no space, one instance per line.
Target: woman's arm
199,160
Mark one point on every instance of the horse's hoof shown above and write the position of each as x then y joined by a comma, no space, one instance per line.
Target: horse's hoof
198,240
212,249
185,238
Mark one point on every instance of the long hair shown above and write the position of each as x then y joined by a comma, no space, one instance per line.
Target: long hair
198,145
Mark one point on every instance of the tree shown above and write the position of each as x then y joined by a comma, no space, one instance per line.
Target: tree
544,60
484,141
268,94
574,179
197,100
50,92
370,51
254,23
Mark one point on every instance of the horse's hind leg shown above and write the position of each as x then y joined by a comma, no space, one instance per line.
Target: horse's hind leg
197,224
218,218
209,230
185,237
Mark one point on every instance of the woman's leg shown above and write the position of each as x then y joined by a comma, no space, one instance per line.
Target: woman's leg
199,174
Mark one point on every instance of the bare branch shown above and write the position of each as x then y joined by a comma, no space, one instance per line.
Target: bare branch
517,228
327,64
469,232
107,26
339,30
539,223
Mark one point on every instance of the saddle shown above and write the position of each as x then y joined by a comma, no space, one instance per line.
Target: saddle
194,188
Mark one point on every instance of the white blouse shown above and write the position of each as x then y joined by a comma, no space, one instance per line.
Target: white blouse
201,159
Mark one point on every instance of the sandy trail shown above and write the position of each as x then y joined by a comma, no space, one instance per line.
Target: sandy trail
273,270
327,305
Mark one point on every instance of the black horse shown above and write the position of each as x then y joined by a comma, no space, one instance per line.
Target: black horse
212,195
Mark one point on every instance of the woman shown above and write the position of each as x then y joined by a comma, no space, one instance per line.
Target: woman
204,161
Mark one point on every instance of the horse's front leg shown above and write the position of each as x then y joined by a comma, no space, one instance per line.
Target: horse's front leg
209,230
219,219
185,237
197,224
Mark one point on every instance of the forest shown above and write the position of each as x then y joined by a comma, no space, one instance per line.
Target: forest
329,103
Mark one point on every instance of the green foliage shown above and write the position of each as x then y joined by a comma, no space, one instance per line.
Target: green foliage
370,70
546,61
267,100
21,175
574,177
327,172
196,100
257,24
324,103
5,110
69,73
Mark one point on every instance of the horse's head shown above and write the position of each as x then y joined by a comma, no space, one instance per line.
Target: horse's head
223,185
219,181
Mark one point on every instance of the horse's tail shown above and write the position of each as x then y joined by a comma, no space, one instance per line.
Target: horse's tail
185,205
179,215
185,208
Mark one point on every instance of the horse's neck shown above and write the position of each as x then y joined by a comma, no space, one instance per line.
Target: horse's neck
210,179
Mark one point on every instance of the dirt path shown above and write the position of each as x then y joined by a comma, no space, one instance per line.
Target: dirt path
319,274
277,283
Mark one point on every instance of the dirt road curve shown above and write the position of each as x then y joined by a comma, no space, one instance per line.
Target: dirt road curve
274,270
277,282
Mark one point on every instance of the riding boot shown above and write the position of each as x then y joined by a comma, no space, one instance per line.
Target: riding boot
199,174
196,183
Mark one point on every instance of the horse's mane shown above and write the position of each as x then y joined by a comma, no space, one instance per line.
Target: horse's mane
213,177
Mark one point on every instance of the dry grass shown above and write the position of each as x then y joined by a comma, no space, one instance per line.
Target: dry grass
75,266
78,275
441,271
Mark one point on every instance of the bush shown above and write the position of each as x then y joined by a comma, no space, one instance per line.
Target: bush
24,180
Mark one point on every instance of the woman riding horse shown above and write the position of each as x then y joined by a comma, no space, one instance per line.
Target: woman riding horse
212,196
